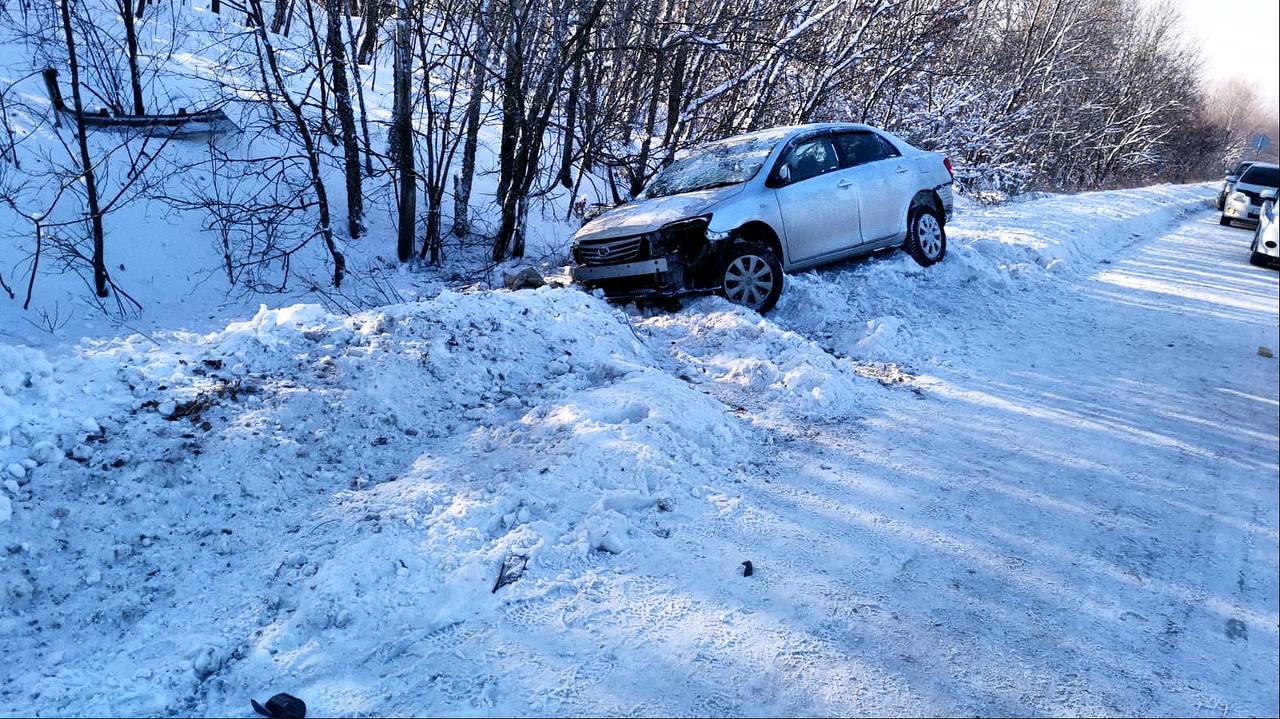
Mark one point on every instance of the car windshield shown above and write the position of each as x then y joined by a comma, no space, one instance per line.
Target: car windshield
1265,176
727,162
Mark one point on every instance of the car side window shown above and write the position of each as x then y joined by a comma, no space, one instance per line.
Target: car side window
861,147
810,159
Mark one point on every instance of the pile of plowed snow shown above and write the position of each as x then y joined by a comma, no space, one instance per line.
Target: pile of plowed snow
889,308
237,496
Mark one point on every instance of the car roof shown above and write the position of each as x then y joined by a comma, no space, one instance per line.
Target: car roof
1264,164
788,131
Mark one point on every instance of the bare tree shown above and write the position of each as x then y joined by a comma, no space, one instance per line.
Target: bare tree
346,119
86,163
280,89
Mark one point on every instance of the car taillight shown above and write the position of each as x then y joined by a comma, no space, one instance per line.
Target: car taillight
946,162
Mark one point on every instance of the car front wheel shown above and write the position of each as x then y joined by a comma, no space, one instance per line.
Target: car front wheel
752,276
1224,220
926,238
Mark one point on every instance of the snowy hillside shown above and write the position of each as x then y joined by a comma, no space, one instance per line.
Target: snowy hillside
187,263
323,504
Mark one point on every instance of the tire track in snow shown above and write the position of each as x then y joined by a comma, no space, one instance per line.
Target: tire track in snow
1177,452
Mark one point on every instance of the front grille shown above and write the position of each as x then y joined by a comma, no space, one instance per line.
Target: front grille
610,252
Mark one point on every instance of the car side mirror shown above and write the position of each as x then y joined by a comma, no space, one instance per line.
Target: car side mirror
784,174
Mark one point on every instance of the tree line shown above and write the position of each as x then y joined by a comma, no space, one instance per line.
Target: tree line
591,98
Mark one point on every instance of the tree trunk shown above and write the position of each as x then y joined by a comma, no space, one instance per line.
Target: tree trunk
402,132
364,113
91,187
462,183
131,43
372,16
314,32
346,120
513,132
431,246
281,11
570,118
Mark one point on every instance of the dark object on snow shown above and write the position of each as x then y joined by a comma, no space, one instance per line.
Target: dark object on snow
747,569
526,278
511,570
282,706
179,125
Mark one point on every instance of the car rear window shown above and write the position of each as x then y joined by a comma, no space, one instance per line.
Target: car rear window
1265,176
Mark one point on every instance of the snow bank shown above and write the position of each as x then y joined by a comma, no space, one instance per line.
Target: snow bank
42,415
430,440
778,372
889,308
1068,233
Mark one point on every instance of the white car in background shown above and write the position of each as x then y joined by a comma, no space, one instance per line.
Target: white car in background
1255,186
732,216
1265,250
1229,183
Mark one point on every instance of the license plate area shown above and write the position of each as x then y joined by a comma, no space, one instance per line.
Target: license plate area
628,269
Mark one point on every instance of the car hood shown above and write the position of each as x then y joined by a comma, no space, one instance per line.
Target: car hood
1256,189
641,216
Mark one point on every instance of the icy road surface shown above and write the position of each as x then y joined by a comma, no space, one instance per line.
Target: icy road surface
1076,515
1040,478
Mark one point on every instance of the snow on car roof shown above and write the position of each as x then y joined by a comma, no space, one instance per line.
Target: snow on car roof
778,133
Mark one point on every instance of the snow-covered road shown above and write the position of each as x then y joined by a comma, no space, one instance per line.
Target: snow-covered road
1040,478
1076,515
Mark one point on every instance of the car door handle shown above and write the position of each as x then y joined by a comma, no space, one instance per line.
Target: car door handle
844,184
900,169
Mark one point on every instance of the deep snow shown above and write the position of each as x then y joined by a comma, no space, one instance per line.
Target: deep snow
1040,477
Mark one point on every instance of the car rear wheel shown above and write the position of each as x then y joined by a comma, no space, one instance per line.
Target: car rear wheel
752,276
926,238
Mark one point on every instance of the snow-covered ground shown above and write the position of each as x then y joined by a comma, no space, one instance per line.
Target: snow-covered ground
1040,477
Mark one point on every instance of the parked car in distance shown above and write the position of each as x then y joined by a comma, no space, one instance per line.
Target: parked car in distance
1229,182
732,216
1265,250
1257,184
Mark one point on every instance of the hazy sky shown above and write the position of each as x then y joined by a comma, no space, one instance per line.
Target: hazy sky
1239,39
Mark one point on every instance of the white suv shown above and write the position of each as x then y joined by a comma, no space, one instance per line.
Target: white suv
732,216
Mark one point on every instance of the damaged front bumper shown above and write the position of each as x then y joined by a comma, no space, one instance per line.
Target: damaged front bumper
676,260
627,269
658,278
